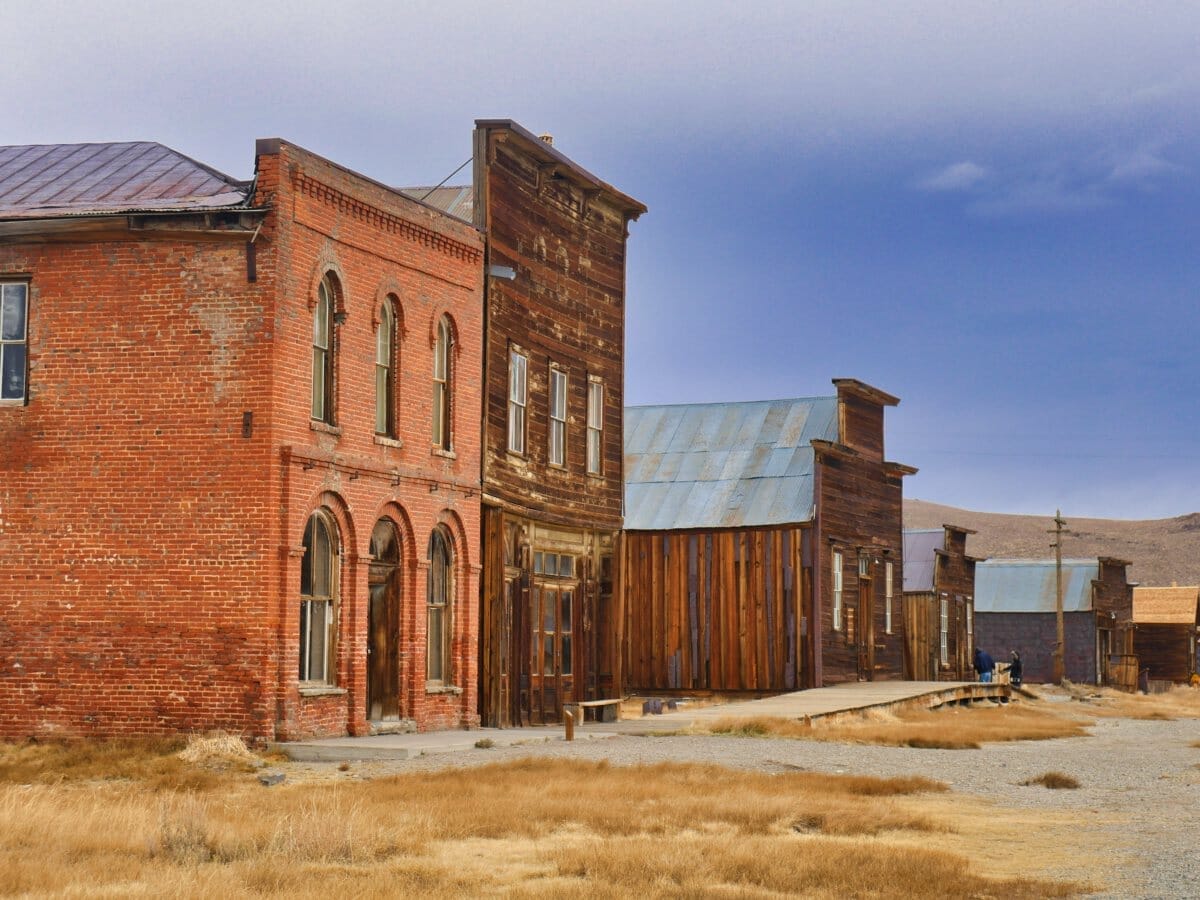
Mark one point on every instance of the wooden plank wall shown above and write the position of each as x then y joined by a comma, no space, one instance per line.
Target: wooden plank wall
1166,650
714,610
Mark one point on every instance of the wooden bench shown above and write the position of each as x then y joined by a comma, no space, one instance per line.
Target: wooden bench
604,709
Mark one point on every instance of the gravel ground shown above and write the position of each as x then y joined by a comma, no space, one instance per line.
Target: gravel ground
1138,805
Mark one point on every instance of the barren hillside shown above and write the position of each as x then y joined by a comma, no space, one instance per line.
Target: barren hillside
1161,550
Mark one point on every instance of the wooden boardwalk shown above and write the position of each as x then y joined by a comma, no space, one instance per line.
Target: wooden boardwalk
844,699
815,703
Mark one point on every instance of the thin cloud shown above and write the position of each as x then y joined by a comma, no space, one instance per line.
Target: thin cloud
1142,168
960,176
1042,196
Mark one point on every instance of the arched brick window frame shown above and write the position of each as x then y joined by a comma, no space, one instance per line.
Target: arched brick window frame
445,341
439,601
320,577
328,311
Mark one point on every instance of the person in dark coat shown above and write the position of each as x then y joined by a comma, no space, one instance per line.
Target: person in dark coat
984,665
1014,669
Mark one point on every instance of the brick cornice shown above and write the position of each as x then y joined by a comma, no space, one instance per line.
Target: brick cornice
384,220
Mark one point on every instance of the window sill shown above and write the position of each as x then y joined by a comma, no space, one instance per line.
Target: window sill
436,687
445,454
321,690
384,441
325,427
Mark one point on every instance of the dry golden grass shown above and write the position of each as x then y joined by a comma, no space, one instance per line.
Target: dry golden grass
529,827
954,728
1056,781
1178,703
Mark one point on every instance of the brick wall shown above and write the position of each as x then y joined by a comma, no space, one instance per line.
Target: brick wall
1033,635
150,567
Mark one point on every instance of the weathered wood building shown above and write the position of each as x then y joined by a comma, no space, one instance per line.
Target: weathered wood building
762,549
1167,620
939,588
553,388
1015,610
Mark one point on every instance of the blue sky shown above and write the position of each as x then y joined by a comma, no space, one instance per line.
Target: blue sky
987,209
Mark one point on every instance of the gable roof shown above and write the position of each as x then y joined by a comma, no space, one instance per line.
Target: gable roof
723,465
920,554
1028,585
454,200
1167,605
57,180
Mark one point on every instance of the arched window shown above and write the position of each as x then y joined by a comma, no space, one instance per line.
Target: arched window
440,594
443,384
323,350
318,595
385,371
383,622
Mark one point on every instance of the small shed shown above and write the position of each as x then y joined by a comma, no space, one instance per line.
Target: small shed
939,588
1167,619
1015,610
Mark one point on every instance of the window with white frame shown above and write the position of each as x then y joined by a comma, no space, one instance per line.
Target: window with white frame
887,596
323,352
443,384
14,329
969,608
439,596
318,595
595,426
837,590
558,417
385,372
518,399
944,632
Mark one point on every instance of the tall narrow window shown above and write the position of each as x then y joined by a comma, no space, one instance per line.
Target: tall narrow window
887,596
558,417
944,632
322,354
595,426
969,608
385,375
318,586
518,396
440,592
14,309
837,590
443,385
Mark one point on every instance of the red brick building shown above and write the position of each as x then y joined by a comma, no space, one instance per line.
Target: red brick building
239,448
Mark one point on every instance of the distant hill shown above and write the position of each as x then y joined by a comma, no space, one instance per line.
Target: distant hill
1162,551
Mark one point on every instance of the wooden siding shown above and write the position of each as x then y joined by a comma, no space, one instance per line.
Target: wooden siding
858,510
719,610
1168,651
566,307
953,578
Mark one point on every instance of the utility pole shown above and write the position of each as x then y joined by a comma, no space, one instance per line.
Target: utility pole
1059,522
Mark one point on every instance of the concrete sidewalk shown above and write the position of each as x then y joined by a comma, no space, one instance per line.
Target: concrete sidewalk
813,704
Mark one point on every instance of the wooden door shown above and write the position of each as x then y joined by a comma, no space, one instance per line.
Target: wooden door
865,616
383,624
552,614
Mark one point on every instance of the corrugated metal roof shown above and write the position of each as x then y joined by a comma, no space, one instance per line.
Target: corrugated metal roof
455,201
1028,585
50,180
723,465
1167,605
920,553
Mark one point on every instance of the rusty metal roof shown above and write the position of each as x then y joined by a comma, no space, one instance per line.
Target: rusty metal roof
53,180
1028,585
1167,605
457,201
920,553
723,465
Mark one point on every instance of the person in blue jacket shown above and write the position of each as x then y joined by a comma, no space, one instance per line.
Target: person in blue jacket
984,665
